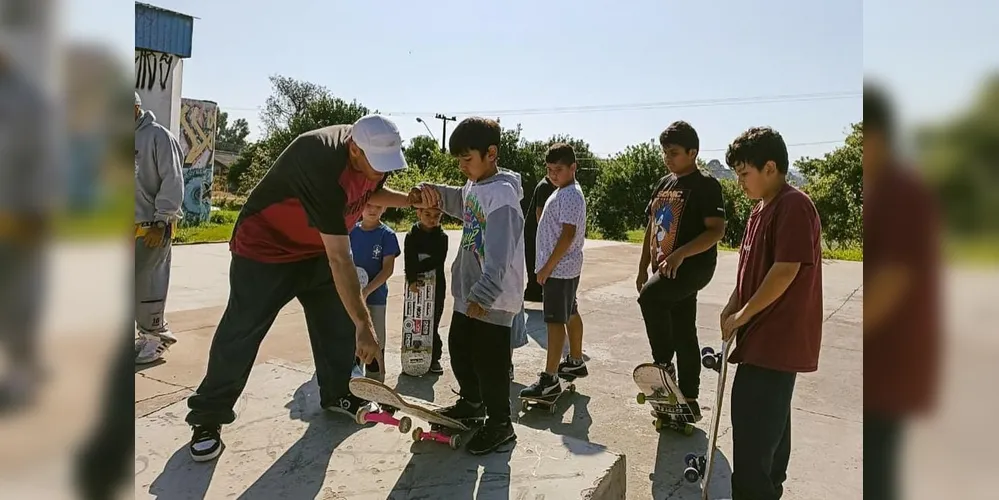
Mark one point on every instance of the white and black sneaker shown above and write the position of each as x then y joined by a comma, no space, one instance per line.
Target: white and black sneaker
350,404
571,369
206,443
547,387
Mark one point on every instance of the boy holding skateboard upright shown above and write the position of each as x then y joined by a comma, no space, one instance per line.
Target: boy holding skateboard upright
776,308
686,222
559,260
426,250
375,247
487,280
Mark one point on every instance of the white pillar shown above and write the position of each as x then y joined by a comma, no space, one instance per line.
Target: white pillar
159,78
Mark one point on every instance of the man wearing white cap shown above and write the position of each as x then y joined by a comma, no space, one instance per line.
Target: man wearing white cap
291,233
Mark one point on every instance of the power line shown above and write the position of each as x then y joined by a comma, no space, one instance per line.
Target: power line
635,106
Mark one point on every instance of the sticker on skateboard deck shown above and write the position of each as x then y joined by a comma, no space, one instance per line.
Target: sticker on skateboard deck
526,403
661,392
699,466
443,429
418,326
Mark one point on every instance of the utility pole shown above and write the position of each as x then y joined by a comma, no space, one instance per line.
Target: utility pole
444,119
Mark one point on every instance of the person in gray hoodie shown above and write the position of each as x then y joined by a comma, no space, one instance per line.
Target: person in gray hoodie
487,280
159,193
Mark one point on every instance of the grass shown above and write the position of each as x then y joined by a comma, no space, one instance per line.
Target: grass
852,253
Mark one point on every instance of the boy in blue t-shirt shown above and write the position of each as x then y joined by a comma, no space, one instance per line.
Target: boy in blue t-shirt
375,248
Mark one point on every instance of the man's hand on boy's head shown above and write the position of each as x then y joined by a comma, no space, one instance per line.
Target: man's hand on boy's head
474,310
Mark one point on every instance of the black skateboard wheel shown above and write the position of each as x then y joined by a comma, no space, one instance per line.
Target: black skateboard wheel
691,474
455,442
405,423
707,351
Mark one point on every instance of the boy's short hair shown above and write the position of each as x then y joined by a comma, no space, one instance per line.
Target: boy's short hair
756,147
560,153
878,113
680,133
474,134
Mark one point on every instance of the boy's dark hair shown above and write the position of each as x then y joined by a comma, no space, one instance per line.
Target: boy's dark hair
756,147
474,134
560,153
680,133
878,113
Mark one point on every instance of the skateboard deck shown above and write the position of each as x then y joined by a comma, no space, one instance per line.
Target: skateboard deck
373,390
527,403
661,392
418,326
699,467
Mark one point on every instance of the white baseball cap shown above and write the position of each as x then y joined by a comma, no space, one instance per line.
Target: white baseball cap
381,142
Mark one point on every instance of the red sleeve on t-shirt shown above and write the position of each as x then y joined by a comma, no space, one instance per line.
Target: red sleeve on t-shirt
795,230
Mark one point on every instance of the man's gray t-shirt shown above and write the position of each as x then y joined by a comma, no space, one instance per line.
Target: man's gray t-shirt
566,206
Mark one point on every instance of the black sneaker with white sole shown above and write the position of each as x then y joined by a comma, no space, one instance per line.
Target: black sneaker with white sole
436,368
547,387
206,442
465,411
350,404
571,369
491,436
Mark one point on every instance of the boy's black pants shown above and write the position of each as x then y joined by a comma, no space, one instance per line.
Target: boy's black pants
761,432
439,295
669,308
257,293
480,359
882,439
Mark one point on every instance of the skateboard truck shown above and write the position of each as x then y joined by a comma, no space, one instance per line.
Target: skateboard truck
383,417
527,403
454,441
710,359
695,467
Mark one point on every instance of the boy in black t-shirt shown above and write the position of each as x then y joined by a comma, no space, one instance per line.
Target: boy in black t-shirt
532,217
686,222
425,251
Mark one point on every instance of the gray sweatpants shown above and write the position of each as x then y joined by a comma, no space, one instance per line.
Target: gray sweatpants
152,281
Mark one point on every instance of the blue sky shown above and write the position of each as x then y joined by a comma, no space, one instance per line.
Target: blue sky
453,56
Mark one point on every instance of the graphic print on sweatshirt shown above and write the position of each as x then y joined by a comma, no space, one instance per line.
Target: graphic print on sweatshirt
667,210
473,230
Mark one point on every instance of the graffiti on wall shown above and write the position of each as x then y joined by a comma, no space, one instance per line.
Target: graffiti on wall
197,143
152,70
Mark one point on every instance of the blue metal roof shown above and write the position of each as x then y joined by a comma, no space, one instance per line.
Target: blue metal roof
163,30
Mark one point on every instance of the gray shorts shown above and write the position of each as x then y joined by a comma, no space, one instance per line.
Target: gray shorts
560,299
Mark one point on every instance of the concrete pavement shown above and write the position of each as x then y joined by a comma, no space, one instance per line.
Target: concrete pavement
827,453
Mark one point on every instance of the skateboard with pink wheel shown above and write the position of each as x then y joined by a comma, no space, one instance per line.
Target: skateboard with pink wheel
659,389
699,466
442,429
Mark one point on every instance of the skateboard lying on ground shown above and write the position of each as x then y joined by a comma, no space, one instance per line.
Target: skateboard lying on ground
443,429
418,326
699,467
661,392
527,403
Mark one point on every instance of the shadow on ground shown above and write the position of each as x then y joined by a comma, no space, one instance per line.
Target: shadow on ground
667,478
433,468
421,388
537,330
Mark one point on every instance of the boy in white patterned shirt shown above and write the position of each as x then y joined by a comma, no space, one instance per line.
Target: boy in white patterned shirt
561,232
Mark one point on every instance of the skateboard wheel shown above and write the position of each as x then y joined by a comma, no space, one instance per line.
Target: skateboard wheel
551,408
690,460
405,423
417,434
571,388
359,417
455,442
658,423
691,475
524,406
688,429
707,351
672,399
640,398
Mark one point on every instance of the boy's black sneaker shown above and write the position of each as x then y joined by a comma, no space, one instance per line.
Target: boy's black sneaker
435,367
571,369
206,442
491,436
511,372
465,412
350,404
547,387
695,411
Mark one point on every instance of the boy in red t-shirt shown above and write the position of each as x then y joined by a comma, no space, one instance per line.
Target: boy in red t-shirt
776,308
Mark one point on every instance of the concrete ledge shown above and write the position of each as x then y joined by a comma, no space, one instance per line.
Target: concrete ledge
284,446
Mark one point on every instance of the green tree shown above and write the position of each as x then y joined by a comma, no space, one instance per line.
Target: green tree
737,209
623,188
835,183
231,137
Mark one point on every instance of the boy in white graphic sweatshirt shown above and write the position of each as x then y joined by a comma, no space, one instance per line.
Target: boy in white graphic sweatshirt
487,280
